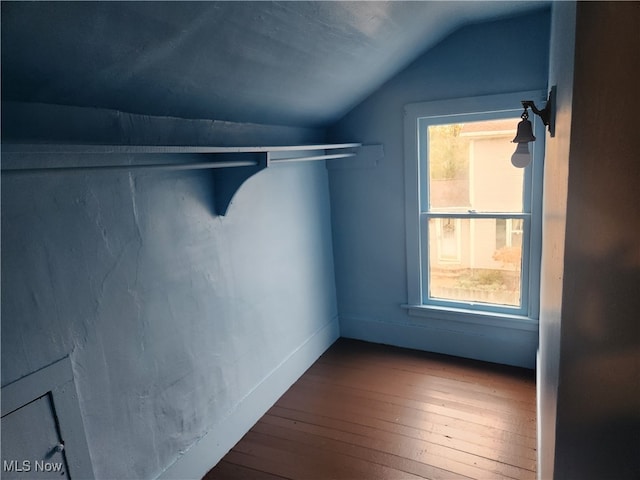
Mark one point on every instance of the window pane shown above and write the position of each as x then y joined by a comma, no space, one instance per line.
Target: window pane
470,167
475,260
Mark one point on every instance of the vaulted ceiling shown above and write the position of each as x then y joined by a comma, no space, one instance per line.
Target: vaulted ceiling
289,63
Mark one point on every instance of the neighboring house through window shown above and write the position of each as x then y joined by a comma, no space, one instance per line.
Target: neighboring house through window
473,222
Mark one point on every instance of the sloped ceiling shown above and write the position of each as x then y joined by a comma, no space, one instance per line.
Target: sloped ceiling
288,63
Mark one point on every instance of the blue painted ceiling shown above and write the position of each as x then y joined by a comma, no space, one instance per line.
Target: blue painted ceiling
288,63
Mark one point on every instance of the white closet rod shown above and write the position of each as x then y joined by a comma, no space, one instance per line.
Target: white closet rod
151,166
312,158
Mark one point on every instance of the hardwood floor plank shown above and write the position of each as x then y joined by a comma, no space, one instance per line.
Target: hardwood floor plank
517,455
366,411
361,353
403,358
313,460
416,384
435,433
388,392
412,448
421,380
394,408
461,393
232,471
443,457
342,442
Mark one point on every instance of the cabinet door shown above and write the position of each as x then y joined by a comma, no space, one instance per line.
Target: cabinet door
31,443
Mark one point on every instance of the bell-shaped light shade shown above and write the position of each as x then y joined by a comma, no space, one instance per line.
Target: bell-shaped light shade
524,133
521,157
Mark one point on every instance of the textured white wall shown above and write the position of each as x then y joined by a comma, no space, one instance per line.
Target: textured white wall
171,314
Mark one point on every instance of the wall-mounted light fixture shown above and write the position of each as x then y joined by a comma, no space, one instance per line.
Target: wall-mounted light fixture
521,157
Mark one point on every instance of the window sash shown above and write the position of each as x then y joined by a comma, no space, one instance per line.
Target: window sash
525,276
424,122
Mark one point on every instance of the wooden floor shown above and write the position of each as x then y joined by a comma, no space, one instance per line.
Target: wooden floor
365,411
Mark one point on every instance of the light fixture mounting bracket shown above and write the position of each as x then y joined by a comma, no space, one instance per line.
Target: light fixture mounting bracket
548,113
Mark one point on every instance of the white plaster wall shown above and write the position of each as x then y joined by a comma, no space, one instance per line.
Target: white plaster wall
172,315
556,172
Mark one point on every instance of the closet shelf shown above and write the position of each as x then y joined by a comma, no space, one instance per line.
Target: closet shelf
161,149
234,165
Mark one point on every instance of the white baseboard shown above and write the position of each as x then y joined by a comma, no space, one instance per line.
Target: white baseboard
205,453
488,343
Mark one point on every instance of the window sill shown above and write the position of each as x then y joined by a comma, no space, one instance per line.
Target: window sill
473,317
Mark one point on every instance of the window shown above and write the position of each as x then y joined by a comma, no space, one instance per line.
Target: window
473,227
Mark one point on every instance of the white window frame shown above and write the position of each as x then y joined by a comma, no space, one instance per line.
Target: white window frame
417,117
